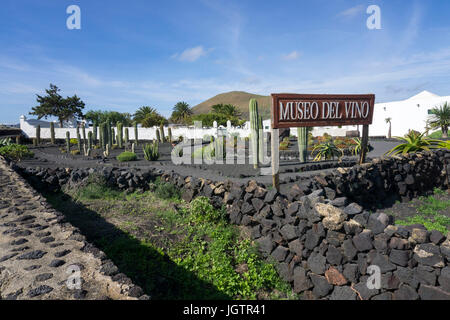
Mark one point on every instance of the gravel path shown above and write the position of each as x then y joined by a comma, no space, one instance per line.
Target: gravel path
38,253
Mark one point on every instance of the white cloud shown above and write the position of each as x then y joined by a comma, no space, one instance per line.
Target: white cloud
294,55
351,12
191,54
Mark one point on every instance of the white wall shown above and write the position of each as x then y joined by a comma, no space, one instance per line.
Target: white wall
405,115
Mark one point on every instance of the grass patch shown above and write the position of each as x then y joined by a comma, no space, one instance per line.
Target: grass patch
430,213
127,156
187,252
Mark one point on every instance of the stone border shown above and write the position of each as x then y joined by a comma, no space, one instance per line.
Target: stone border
323,244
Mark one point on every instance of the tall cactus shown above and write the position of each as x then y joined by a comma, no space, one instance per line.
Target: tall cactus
79,139
120,134
110,134
83,128
136,138
102,135
169,132
161,128
38,134
158,136
127,136
254,129
52,132
94,133
68,142
90,140
114,137
260,139
302,138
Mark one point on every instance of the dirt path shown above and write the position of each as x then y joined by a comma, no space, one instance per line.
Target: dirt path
39,254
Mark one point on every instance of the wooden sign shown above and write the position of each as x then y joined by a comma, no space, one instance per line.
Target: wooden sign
319,110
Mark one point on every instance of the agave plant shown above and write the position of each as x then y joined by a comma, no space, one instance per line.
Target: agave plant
5,142
326,151
444,144
151,151
358,146
414,142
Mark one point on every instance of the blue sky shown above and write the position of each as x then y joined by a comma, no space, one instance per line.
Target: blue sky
133,53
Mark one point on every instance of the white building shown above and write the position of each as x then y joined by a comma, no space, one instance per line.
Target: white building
406,114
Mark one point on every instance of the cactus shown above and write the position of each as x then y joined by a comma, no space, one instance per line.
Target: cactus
38,134
151,151
102,135
94,133
302,139
120,134
127,136
158,136
161,128
254,129
110,134
68,142
52,132
83,128
78,139
90,140
88,152
136,140
133,146
170,134
260,140
114,138
106,152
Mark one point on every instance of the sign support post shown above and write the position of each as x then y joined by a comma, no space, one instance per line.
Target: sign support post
275,155
364,143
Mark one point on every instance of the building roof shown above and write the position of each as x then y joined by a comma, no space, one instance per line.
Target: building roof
424,95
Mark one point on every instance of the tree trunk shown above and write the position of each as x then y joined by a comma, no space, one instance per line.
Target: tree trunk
389,132
60,123
445,132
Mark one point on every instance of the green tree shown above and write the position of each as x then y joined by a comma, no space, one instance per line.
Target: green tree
228,110
53,104
440,118
181,112
148,117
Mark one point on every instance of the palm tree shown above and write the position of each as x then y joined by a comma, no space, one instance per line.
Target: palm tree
388,120
228,110
181,112
143,112
440,118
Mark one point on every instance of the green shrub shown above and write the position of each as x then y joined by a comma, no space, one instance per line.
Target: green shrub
436,135
202,210
73,141
414,142
151,151
164,190
326,151
16,152
127,156
5,142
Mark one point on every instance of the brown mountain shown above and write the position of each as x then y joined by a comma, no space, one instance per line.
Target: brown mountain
238,98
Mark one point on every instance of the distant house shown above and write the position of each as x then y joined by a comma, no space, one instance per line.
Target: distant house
405,115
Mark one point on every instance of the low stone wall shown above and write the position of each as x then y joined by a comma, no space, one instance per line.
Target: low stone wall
324,242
